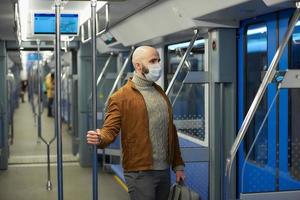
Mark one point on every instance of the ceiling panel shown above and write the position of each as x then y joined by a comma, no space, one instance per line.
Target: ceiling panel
7,20
119,11
243,11
49,4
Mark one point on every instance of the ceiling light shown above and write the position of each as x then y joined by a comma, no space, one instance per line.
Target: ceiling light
259,30
185,45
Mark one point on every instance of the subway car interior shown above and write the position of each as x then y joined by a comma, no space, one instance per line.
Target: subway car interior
231,70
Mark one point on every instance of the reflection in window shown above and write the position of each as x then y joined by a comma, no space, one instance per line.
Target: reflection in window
256,64
294,108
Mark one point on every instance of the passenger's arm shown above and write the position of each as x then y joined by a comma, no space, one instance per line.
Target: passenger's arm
112,124
111,127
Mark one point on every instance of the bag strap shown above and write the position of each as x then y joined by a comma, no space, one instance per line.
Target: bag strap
177,193
171,194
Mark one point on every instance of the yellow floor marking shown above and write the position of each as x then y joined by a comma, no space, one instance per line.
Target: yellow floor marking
121,183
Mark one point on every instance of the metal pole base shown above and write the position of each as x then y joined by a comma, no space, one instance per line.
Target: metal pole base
49,186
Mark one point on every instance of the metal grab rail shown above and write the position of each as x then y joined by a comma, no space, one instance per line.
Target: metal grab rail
258,134
188,65
259,95
31,88
101,75
2,113
106,21
186,62
49,184
183,60
40,107
58,125
94,99
39,113
119,77
104,68
90,21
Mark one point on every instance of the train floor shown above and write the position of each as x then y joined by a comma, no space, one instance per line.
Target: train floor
26,176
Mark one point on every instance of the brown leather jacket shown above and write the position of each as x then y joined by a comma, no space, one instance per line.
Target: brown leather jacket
127,111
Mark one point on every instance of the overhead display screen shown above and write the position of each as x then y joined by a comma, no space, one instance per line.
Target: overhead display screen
34,57
44,23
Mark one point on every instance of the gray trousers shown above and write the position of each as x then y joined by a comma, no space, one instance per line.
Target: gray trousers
148,185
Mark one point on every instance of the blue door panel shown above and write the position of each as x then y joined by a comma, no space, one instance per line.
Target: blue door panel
286,181
252,172
272,176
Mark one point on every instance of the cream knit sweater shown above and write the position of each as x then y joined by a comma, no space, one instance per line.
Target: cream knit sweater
157,109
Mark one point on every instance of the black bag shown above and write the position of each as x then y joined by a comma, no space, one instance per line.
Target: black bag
182,192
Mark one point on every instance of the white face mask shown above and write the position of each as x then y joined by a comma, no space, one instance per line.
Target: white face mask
154,72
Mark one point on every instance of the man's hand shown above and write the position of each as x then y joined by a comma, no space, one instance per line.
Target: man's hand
93,137
180,176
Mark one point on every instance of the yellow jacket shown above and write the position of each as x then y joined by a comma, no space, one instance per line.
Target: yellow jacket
49,86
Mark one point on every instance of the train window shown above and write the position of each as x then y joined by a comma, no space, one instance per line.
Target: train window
190,101
190,110
294,108
195,61
256,64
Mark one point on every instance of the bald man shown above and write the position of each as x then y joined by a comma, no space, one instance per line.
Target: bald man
143,113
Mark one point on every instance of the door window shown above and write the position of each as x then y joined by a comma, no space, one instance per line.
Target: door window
294,108
256,65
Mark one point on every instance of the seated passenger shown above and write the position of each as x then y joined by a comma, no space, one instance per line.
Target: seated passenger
143,113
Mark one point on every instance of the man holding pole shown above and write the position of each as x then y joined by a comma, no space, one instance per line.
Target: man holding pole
143,113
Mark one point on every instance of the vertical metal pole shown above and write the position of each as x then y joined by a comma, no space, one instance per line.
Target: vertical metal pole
49,184
94,99
39,126
12,113
222,149
57,102
68,99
